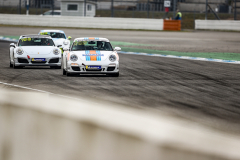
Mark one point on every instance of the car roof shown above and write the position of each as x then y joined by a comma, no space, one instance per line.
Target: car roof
91,39
35,36
49,30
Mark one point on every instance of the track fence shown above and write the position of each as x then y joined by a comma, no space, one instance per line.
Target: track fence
152,9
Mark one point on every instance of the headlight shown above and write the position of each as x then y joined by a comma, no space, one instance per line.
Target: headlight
20,51
56,51
65,42
73,57
112,58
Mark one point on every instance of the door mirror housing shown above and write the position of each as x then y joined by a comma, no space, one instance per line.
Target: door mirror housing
69,37
117,49
66,49
12,45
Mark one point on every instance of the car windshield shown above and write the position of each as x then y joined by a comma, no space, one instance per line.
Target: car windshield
27,41
54,34
91,45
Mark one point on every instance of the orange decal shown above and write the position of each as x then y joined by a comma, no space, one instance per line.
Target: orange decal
68,57
91,38
94,57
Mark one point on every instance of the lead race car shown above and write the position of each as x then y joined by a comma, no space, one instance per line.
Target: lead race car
58,36
91,56
35,50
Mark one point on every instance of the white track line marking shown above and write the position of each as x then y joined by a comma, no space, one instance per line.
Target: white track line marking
183,57
37,90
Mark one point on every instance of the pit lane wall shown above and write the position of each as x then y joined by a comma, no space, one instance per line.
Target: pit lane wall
82,22
229,25
41,126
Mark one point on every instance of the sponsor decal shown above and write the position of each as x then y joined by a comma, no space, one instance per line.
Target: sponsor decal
93,67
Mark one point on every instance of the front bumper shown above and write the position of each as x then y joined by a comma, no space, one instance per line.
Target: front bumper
50,61
106,67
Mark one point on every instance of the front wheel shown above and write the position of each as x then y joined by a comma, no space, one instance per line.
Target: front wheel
11,65
68,74
114,74
64,72
17,67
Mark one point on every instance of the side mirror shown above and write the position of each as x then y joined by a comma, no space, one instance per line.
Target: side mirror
12,45
69,37
65,49
59,46
117,49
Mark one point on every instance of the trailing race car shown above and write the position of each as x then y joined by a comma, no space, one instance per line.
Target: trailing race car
35,50
58,37
91,56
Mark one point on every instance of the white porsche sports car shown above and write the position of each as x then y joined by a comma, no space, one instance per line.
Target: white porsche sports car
91,56
58,37
35,50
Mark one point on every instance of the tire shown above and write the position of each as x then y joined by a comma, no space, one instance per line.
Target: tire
58,67
68,74
11,65
64,72
114,74
17,67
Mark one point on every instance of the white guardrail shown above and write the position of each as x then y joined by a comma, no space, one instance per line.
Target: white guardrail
41,126
218,25
82,22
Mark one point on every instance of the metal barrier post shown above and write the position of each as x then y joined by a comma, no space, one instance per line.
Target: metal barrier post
174,9
19,6
112,10
148,9
206,10
27,11
85,5
235,11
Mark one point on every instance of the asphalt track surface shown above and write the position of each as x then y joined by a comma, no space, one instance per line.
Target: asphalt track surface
204,92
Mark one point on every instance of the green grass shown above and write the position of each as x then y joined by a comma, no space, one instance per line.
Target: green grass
117,43
225,56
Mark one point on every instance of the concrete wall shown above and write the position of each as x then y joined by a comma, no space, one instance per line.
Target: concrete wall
83,22
36,126
217,25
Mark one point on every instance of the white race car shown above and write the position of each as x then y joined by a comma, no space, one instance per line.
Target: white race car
35,50
58,37
91,56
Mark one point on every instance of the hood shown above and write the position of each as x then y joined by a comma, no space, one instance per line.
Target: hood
37,49
59,41
92,55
